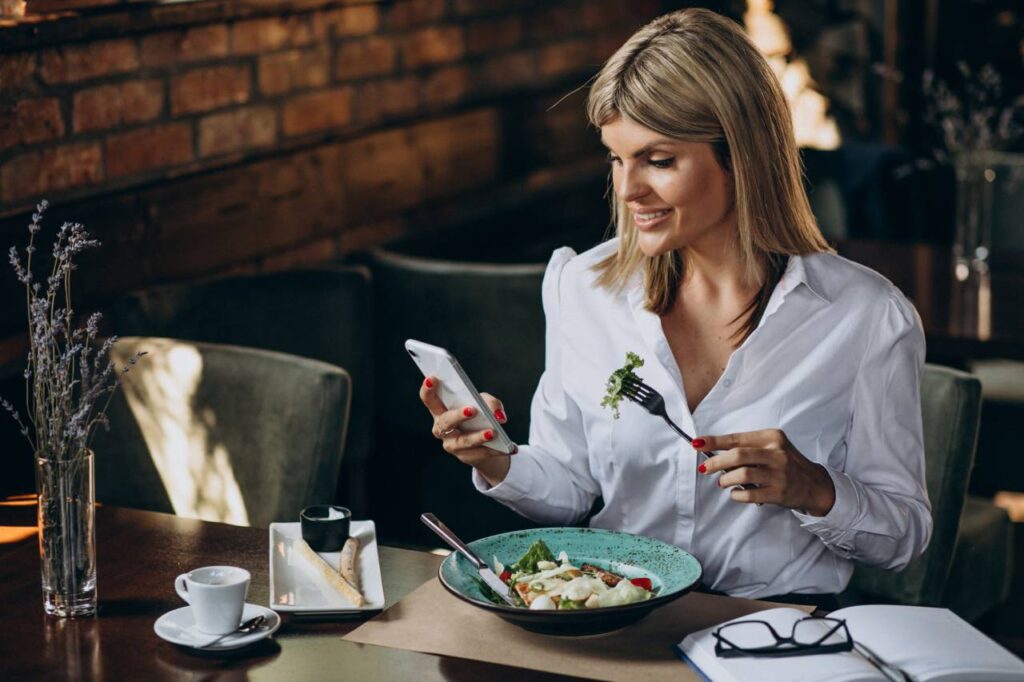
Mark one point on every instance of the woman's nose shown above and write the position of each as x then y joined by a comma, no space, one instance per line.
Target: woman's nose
630,185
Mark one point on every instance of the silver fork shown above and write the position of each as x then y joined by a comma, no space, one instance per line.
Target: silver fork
649,399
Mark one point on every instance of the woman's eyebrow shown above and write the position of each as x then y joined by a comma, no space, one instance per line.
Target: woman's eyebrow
646,148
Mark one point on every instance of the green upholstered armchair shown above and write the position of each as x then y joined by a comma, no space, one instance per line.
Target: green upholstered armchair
490,317
321,313
222,433
968,564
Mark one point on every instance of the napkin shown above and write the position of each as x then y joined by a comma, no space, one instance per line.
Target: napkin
430,620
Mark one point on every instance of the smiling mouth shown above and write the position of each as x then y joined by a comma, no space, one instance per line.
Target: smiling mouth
652,215
648,219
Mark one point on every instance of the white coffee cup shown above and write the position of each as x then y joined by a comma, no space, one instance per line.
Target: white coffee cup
216,595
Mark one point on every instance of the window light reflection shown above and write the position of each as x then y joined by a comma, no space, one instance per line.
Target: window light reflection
196,473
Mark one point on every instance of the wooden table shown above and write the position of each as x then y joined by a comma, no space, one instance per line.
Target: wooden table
139,555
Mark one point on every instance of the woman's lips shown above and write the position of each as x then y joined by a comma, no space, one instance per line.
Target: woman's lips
646,220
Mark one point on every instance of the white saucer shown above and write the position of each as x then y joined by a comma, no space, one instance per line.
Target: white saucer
179,627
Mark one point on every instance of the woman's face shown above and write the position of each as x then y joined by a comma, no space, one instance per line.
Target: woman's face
676,192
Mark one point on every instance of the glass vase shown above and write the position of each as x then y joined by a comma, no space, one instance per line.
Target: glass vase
67,534
972,244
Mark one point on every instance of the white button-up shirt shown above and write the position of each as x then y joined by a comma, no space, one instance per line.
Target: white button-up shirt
835,363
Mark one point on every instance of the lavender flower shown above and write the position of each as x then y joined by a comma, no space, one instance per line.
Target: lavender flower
67,376
972,116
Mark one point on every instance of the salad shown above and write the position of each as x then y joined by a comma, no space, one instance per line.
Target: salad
539,581
613,389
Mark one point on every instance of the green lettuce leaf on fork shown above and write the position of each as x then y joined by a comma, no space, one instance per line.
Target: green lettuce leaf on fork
613,389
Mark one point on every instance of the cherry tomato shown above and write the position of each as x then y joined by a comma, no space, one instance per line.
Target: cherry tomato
506,574
642,582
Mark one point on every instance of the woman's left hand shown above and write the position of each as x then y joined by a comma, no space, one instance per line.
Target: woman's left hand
766,459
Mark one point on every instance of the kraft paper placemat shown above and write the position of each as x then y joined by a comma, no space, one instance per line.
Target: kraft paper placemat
432,621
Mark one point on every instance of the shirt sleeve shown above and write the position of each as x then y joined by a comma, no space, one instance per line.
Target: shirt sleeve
881,516
549,479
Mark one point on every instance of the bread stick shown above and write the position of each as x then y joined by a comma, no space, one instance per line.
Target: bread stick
333,577
347,562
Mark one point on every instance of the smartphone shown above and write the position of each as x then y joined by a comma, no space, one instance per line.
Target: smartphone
456,389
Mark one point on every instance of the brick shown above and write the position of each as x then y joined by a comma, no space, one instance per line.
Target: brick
320,250
237,130
446,86
409,13
109,106
385,99
459,153
317,111
603,46
493,35
509,70
189,45
51,170
348,21
365,237
16,71
91,60
370,57
264,35
148,149
597,16
382,173
294,70
209,88
281,179
560,59
40,120
552,22
10,133
475,7
434,45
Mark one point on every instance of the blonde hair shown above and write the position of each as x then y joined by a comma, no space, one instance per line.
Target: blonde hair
694,75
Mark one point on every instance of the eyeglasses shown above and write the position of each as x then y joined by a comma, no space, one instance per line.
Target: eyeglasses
759,638
809,636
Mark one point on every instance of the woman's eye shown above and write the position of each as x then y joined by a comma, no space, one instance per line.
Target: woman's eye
662,163
611,158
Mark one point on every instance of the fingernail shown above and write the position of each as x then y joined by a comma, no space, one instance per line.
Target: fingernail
488,435
515,449
702,468
698,442
500,414
468,411
428,383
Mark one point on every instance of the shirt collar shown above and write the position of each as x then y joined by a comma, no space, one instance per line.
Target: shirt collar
798,273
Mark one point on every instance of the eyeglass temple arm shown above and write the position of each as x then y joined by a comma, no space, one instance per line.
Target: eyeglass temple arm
890,671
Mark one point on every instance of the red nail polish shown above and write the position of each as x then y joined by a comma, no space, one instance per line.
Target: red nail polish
428,383
702,468
488,435
500,414
698,442
468,411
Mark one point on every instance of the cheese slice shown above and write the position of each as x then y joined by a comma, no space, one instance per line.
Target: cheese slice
327,571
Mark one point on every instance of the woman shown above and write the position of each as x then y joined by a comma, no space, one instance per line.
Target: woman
799,369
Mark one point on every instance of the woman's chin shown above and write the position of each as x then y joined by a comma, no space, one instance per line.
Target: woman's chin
653,247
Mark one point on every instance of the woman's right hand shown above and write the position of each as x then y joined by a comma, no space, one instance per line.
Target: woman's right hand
468,447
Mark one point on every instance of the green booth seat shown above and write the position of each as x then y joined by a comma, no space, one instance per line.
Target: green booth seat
489,315
968,564
322,313
222,433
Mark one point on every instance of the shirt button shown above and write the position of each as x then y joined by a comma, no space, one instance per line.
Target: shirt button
727,383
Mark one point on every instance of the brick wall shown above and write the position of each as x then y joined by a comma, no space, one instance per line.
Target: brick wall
198,138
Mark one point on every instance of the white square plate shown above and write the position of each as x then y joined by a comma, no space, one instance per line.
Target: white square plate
296,587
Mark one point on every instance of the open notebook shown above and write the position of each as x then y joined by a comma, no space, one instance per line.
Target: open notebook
927,643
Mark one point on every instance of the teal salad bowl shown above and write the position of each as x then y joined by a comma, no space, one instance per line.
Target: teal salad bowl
672,571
